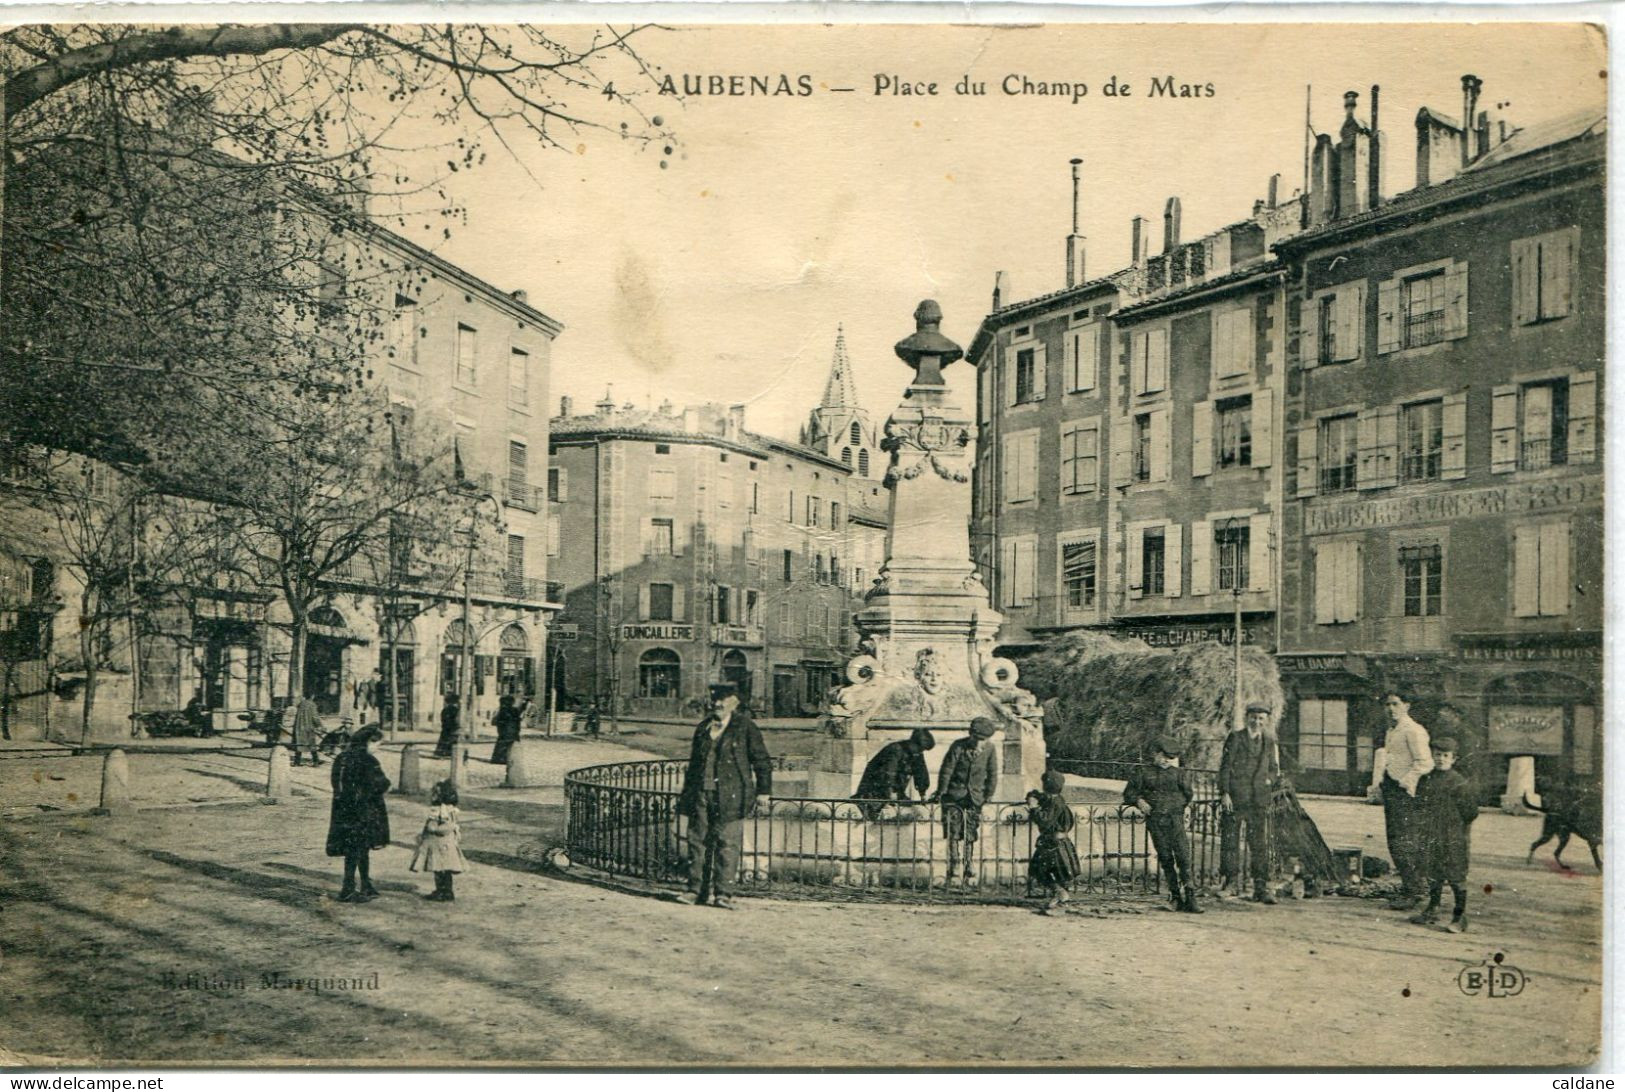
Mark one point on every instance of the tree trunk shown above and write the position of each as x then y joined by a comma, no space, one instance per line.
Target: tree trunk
87,655
296,658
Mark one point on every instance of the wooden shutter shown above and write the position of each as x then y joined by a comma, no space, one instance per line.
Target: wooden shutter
1173,559
1201,557
1308,459
1309,331
1453,418
1010,471
1085,346
1088,450
1386,463
1121,442
1136,362
1325,583
1263,427
1201,439
1348,314
682,534
1348,582
1219,344
1258,552
1388,316
1366,449
1136,561
1040,372
1525,280
643,602
1526,574
1237,342
679,602
1156,365
1557,259
1554,568
1027,565
1161,449
1583,417
1455,301
1504,429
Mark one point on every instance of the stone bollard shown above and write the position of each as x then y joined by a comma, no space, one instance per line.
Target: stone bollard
277,785
115,785
411,779
525,765
459,767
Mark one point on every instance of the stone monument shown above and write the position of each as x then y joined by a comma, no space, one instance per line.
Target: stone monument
927,630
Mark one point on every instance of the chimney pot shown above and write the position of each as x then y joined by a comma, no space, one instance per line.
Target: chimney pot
1470,86
565,406
1275,190
1001,288
1351,99
1138,240
1170,225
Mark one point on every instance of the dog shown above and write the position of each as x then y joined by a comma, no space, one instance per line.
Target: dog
1567,815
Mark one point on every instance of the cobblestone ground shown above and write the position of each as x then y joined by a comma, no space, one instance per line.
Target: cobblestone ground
103,919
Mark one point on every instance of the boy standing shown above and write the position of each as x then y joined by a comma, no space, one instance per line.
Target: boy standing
969,777
1446,807
1162,795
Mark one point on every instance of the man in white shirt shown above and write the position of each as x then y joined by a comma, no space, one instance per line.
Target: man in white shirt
1406,757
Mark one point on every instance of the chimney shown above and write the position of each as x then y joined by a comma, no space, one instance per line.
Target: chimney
1482,136
606,404
1139,240
1001,288
1170,225
1375,165
565,405
1470,86
691,419
520,295
1075,241
1275,190
736,420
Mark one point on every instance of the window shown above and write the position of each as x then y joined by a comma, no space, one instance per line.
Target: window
753,601
724,606
1422,570
1021,466
1080,458
846,456
863,462
660,603
755,497
558,484
1078,574
662,484
662,449
465,355
1018,583
660,541
1142,447
818,569
403,335
789,566
518,471
1545,426
1082,357
1148,361
1540,569
1026,374
1153,555
856,433
1543,276
1334,324
1422,300
1337,581
835,515
812,511
515,571
660,674
1339,453
1422,441
725,491
1323,734
1233,343
518,378
1233,542
1326,323
790,510
1235,432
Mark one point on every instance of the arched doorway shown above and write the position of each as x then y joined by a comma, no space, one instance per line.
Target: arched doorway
326,635
660,674
397,660
452,643
736,670
516,671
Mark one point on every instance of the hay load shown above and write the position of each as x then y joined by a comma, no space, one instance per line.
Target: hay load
1107,698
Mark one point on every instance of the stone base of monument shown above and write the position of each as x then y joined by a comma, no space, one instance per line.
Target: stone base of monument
839,762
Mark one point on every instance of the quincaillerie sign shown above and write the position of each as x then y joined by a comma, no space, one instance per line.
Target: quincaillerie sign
1526,729
1461,504
665,632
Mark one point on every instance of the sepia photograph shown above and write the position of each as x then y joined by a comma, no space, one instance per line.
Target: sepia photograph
688,544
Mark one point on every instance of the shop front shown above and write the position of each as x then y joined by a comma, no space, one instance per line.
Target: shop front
1332,724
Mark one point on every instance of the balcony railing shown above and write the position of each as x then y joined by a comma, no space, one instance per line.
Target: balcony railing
516,494
1542,453
509,587
1337,479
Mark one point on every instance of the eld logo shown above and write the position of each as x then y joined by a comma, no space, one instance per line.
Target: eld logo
1492,978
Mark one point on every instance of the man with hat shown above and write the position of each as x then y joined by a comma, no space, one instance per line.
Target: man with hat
969,778
1248,770
729,772
1162,794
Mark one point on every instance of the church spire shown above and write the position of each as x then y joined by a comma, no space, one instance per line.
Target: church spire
841,392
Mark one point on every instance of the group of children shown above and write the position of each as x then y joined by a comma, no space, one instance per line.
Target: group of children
1447,806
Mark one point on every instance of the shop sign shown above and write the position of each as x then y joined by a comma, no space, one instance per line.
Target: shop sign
1453,505
1526,729
565,631
1588,654
1313,663
735,635
1179,636
662,632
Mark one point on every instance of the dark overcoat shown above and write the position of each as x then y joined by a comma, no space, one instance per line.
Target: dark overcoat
1165,788
1248,771
1446,806
307,725
889,773
744,768
360,820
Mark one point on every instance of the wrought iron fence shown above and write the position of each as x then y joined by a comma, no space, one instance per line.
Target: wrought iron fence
623,820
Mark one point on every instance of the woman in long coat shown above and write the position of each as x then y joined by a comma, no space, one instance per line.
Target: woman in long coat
360,820
307,731
507,721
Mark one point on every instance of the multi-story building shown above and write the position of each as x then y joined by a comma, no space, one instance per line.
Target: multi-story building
692,550
1444,448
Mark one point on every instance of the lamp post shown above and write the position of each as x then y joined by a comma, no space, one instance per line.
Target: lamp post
465,683
1233,544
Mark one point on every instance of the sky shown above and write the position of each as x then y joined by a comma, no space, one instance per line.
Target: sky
723,276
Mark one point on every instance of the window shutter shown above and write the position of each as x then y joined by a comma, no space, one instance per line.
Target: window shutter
1010,375
1309,331
1387,454
1526,571
553,535
1238,342
1085,343
1027,553
1525,281
1040,371
1173,559
1136,362
1258,551
1029,469
1455,301
1136,562
1348,313
987,392
1308,459
1583,417
1504,429
1219,344
1157,360
1201,557
1201,439
1554,568
1088,450
1325,583
1161,452
679,602
1263,427
1366,434
1122,437
1562,249
1453,418
643,602
1010,470
1388,316
1349,583
681,535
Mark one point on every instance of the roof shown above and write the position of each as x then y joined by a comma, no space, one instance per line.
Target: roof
1546,134
1013,311
639,424
841,392
1255,269
1438,118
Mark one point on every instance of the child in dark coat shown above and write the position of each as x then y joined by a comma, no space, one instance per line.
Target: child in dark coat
1054,863
1162,794
1446,806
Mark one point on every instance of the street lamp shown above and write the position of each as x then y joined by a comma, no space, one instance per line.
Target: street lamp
465,683
1232,543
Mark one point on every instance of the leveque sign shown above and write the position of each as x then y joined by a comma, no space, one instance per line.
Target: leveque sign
1361,514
